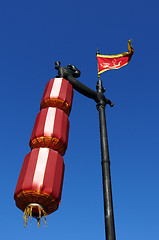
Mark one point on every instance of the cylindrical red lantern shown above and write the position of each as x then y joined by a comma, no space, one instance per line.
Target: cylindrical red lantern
50,130
39,188
40,180
58,93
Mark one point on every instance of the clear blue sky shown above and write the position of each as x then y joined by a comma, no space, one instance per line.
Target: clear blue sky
35,34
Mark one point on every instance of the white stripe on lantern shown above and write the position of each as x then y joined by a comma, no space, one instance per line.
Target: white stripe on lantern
40,168
56,88
49,122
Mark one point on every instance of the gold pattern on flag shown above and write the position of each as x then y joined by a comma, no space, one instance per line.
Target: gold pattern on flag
115,64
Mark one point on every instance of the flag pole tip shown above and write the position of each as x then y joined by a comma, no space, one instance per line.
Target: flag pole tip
97,51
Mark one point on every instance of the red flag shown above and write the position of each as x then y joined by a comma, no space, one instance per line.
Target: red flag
107,62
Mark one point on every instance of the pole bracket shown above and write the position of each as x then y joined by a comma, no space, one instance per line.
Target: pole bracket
70,72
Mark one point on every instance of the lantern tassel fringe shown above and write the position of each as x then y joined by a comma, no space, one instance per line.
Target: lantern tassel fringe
28,212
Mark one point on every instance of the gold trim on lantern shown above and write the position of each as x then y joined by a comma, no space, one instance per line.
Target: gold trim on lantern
63,105
25,197
48,142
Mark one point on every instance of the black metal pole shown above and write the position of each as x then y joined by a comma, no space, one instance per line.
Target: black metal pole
69,73
107,190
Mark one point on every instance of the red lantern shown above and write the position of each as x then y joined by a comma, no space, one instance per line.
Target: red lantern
39,188
58,93
50,130
40,181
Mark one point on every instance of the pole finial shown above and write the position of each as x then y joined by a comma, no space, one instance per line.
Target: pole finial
97,51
